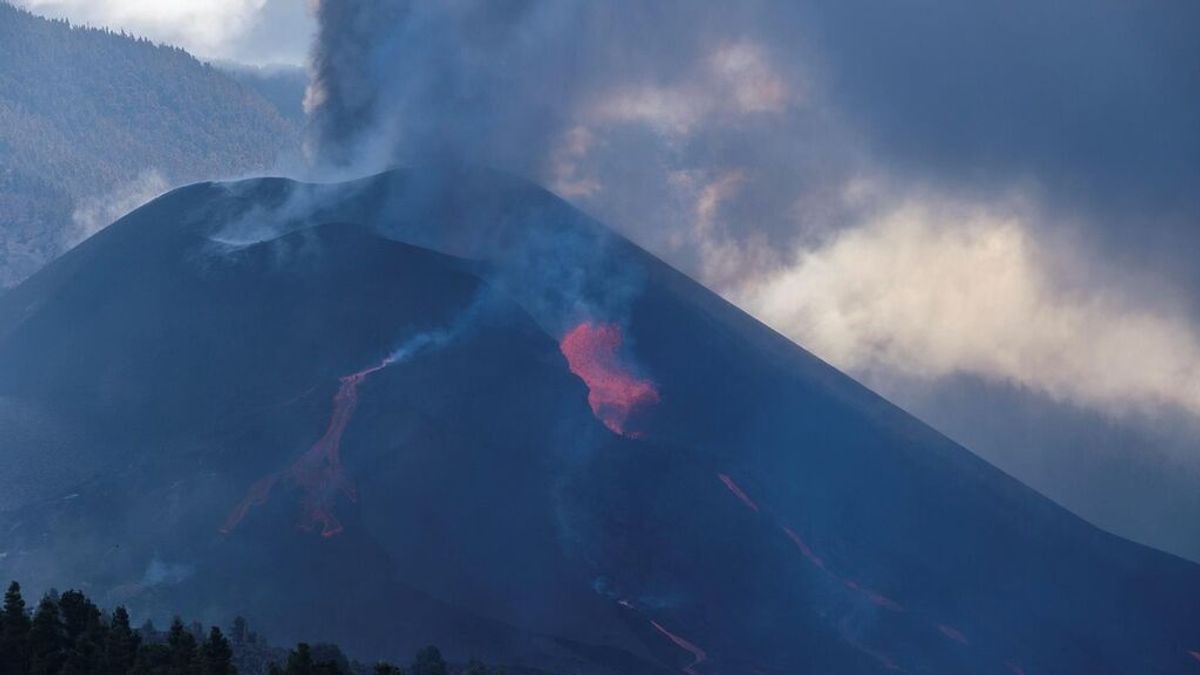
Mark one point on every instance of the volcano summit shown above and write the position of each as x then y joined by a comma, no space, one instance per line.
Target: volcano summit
444,406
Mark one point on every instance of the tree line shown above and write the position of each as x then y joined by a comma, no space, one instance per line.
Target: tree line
67,634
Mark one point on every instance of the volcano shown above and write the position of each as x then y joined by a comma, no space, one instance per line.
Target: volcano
443,406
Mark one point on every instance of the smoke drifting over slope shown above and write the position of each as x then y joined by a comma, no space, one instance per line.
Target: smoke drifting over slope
765,149
716,136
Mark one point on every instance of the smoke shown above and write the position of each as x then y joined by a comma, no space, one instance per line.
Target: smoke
160,572
401,82
95,213
720,137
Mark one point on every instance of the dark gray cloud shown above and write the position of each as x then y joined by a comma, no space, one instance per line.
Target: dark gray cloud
1093,104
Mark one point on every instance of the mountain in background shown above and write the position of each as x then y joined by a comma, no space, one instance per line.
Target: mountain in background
282,85
443,406
93,123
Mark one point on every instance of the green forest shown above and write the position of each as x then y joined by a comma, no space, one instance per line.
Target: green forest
92,122
67,634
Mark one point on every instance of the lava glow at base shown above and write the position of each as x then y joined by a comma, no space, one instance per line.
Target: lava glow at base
614,393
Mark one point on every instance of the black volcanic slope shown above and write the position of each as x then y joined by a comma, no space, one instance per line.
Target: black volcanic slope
445,407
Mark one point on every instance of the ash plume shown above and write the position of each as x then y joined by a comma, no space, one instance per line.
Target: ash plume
385,88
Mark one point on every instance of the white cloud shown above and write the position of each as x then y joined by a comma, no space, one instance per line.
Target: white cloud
735,80
743,70
203,27
932,289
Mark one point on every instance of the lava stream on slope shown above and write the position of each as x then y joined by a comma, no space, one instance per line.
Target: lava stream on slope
614,392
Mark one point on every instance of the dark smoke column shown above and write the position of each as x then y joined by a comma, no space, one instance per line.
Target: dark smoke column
462,81
347,64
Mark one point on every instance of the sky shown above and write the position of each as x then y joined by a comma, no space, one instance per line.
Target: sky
252,32
987,211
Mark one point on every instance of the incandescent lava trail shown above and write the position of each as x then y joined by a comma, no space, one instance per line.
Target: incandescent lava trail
945,630
698,655
614,393
737,492
318,472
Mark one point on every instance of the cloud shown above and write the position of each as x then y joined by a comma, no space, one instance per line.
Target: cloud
931,289
204,27
731,81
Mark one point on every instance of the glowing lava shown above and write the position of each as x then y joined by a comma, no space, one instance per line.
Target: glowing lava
614,393
952,633
737,492
804,549
874,596
698,655
318,472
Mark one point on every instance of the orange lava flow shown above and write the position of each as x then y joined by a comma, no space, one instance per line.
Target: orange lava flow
614,393
698,655
952,633
874,597
318,472
804,549
737,492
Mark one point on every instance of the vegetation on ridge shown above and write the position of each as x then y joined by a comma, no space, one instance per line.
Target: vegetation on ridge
67,634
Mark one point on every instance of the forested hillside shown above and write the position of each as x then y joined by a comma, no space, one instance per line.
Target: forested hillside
92,122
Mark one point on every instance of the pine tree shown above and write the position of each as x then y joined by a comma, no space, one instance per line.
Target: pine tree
300,661
84,633
216,657
237,633
78,613
182,646
121,648
429,661
387,669
47,638
14,632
